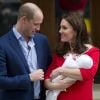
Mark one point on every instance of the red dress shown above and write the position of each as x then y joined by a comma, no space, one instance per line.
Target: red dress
80,90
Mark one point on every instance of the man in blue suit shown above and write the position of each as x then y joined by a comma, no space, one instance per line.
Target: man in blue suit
24,56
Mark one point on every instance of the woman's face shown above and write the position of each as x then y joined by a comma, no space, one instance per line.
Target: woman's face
67,32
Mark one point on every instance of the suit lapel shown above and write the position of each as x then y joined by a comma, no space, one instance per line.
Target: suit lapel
38,51
16,46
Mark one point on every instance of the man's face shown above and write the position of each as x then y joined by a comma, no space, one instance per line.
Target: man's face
32,26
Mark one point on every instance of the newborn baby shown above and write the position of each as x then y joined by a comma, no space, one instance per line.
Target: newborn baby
81,61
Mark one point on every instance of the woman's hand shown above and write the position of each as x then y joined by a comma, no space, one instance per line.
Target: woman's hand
55,72
67,72
61,85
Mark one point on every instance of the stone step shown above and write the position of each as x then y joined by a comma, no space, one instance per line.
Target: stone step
96,92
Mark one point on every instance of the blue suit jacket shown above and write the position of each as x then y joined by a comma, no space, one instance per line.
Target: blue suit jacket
14,71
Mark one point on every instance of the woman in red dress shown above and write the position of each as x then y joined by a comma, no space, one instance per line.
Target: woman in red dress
74,40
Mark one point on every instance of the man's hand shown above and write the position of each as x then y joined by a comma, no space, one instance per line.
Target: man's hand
37,75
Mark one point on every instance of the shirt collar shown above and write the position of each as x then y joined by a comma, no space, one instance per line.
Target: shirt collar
31,43
17,34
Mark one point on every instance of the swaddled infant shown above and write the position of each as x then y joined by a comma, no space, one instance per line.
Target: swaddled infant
81,61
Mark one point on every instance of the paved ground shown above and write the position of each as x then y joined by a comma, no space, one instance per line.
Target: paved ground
96,91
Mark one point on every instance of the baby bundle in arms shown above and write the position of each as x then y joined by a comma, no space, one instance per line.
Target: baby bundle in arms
81,61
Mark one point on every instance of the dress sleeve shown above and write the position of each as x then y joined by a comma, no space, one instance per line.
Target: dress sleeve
90,73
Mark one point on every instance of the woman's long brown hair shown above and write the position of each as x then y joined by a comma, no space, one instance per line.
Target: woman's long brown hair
76,20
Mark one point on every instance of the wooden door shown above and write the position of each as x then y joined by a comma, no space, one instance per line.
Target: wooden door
95,14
